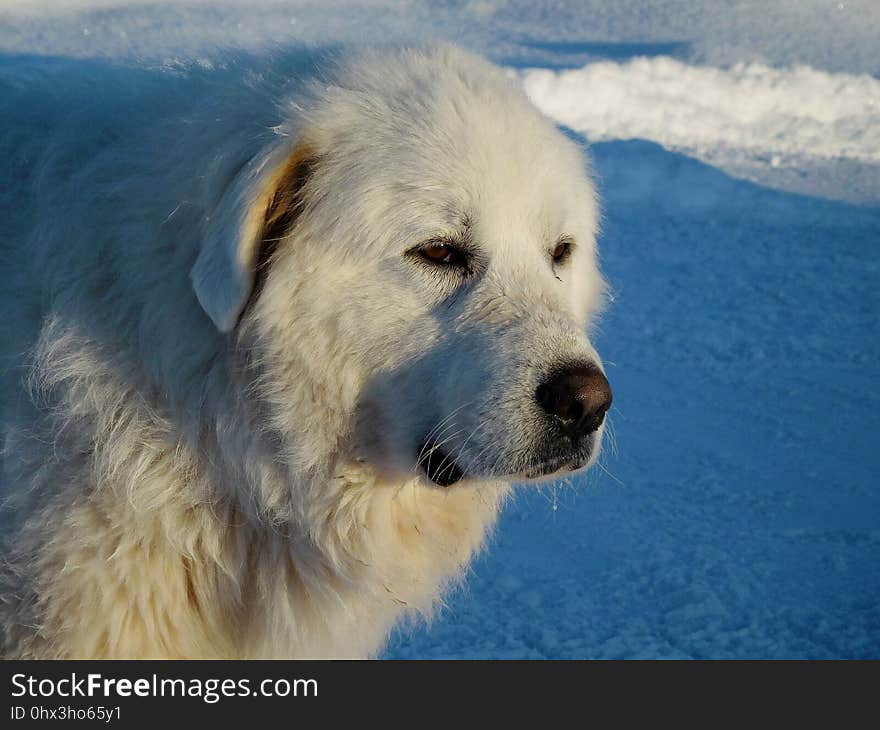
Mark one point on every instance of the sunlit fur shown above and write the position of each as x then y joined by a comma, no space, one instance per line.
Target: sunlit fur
195,469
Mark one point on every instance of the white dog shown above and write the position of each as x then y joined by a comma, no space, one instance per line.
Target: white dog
273,350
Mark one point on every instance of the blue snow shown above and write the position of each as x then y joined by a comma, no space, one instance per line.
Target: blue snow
739,515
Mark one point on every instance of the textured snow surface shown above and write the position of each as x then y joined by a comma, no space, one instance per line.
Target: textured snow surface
737,147
750,113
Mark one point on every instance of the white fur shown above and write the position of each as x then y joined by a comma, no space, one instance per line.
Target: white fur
194,470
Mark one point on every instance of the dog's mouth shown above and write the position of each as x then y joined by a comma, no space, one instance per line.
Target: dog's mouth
551,468
443,471
440,467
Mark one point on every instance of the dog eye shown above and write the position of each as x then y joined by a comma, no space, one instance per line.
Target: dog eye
562,251
443,253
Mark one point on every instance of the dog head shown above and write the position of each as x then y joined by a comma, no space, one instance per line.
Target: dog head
415,275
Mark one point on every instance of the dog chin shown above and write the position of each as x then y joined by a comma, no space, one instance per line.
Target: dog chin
548,471
443,471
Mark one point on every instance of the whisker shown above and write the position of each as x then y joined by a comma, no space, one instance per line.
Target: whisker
602,467
437,427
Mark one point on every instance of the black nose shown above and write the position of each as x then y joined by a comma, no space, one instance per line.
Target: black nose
578,396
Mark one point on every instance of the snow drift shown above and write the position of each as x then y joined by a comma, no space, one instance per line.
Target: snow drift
767,114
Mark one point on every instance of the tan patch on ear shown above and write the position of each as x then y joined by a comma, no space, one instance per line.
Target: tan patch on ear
284,202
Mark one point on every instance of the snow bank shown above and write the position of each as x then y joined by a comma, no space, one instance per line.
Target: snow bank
776,116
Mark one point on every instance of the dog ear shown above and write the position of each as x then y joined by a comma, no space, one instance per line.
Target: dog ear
252,216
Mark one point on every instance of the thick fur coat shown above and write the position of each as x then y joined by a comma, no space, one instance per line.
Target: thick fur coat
227,347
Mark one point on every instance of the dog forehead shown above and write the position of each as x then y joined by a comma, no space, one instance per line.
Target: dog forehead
440,99
439,137
502,170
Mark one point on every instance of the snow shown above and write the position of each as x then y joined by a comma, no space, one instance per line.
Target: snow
737,512
748,114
